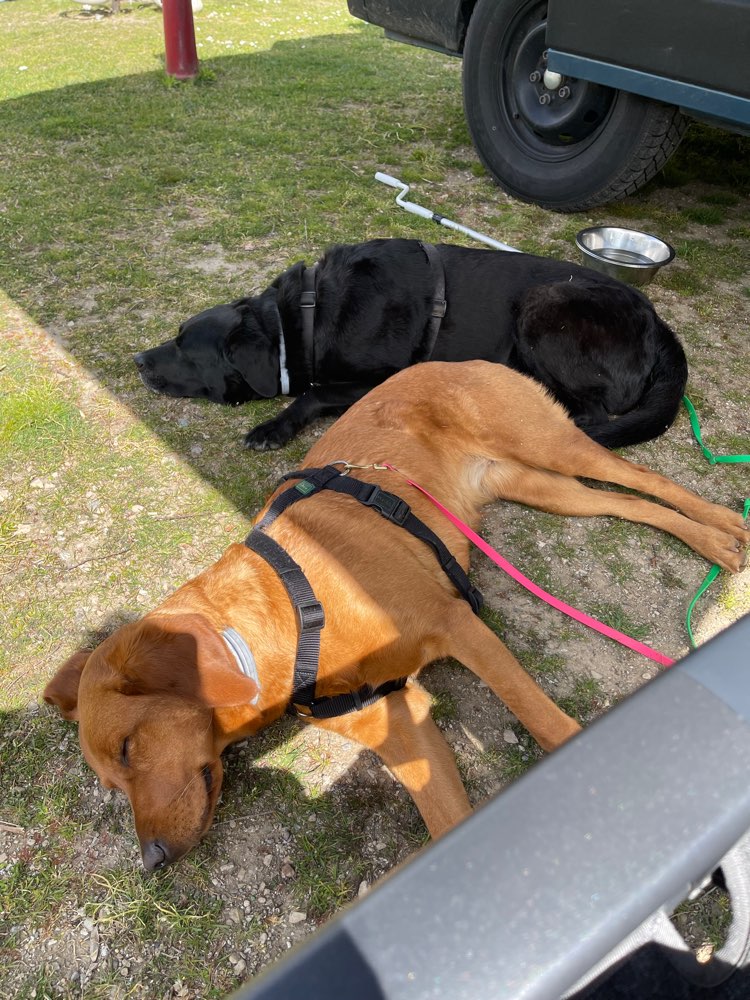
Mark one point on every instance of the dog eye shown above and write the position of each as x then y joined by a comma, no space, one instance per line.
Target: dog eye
124,759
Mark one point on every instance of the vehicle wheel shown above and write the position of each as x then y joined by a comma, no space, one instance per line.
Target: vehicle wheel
567,145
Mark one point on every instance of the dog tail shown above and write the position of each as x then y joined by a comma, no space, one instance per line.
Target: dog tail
655,411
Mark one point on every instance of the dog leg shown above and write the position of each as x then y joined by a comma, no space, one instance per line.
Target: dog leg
565,449
318,401
479,649
643,479
712,531
547,440
400,729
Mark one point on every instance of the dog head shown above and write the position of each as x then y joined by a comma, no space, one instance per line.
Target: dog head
147,701
228,354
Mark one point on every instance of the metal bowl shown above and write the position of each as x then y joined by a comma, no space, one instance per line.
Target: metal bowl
626,254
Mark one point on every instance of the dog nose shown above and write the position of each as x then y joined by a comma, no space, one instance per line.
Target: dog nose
140,360
155,855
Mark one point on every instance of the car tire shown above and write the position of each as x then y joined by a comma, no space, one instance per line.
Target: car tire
569,146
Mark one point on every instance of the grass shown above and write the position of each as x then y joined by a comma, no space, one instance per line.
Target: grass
516,761
129,202
49,798
541,665
586,699
444,707
137,905
327,858
30,892
616,617
36,417
704,921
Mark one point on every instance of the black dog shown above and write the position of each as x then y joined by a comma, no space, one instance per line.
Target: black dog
329,333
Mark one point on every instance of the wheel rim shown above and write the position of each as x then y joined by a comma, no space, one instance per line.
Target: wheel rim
549,122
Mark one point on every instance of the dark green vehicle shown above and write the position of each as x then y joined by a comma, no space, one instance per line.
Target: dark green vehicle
573,103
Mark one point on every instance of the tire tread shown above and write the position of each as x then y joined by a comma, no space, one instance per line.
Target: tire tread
662,133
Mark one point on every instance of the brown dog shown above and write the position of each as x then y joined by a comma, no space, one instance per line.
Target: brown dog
160,699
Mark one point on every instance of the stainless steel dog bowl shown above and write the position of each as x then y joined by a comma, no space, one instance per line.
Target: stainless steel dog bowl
626,254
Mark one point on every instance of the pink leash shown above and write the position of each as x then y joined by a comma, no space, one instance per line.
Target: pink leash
511,570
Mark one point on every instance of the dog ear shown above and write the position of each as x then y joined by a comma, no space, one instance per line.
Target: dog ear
253,347
184,654
62,690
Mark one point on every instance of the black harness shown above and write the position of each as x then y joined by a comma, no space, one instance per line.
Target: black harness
310,614
308,299
307,304
439,304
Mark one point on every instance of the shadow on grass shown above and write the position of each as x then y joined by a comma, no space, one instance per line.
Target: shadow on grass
59,828
275,788
69,856
135,204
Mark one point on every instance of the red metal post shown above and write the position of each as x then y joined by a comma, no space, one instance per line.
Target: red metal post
179,39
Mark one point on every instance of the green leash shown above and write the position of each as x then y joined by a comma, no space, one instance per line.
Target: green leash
713,460
707,581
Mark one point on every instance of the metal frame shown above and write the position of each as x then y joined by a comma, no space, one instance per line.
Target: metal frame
715,106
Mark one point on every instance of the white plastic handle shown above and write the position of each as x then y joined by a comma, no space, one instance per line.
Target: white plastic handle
391,181
425,213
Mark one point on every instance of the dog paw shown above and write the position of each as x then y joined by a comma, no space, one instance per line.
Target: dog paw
727,550
731,522
267,437
253,444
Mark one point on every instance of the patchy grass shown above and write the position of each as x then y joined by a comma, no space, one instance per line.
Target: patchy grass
327,858
517,760
136,905
38,787
586,699
616,617
444,707
704,921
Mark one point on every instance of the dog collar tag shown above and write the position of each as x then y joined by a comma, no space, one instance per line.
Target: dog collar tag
245,659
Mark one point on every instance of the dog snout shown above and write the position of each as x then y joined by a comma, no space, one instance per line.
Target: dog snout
140,361
156,855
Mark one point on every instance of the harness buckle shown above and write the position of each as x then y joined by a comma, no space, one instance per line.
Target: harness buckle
311,615
391,507
307,300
